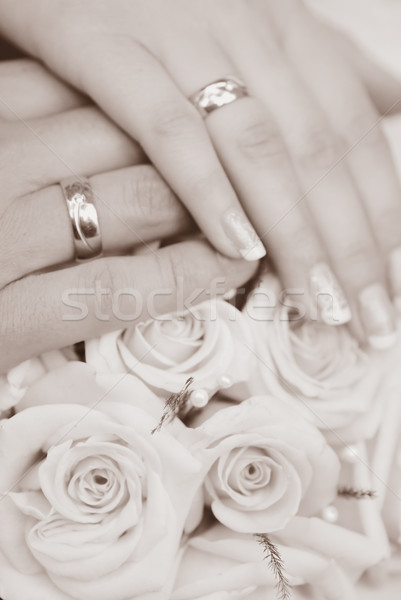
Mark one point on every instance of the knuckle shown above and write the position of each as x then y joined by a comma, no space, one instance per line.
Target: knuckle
205,186
21,309
319,150
20,252
175,271
259,142
104,279
175,120
355,253
101,272
359,258
16,153
363,126
154,201
305,243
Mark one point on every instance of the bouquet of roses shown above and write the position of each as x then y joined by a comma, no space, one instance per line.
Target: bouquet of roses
212,454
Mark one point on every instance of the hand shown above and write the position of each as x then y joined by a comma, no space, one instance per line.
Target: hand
44,306
303,155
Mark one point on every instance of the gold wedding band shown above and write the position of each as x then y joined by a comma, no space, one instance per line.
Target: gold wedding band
78,195
217,94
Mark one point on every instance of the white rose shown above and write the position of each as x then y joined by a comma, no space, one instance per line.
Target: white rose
226,565
323,368
384,476
94,506
14,384
210,343
264,464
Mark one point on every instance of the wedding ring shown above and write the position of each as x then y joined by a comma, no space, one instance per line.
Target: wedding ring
218,94
83,215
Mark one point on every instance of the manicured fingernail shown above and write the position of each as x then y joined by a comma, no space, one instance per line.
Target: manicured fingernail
394,265
331,303
243,236
377,315
230,294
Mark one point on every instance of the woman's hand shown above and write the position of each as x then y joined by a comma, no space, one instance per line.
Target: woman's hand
44,301
303,156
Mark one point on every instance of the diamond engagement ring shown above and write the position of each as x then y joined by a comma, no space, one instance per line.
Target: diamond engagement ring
218,94
83,215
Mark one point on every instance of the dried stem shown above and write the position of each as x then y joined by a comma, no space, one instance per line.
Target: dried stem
353,494
174,404
276,564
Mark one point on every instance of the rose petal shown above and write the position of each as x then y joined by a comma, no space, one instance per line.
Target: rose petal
221,561
15,584
208,342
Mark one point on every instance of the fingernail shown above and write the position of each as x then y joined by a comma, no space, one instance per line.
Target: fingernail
230,294
243,236
395,276
331,303
377,315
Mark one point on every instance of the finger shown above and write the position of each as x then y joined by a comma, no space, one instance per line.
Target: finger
29,91
155,112
134,206
256,159
383,88
316,153
42,152
53,310
253,153
370,163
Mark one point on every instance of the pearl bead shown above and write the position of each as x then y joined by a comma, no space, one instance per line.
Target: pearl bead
350,454
199,398
330,514
225,381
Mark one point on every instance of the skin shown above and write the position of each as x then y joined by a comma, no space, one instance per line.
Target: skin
38,298
303,157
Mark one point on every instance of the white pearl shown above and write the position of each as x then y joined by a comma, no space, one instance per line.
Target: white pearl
199,398
330,514
350,454
225,381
